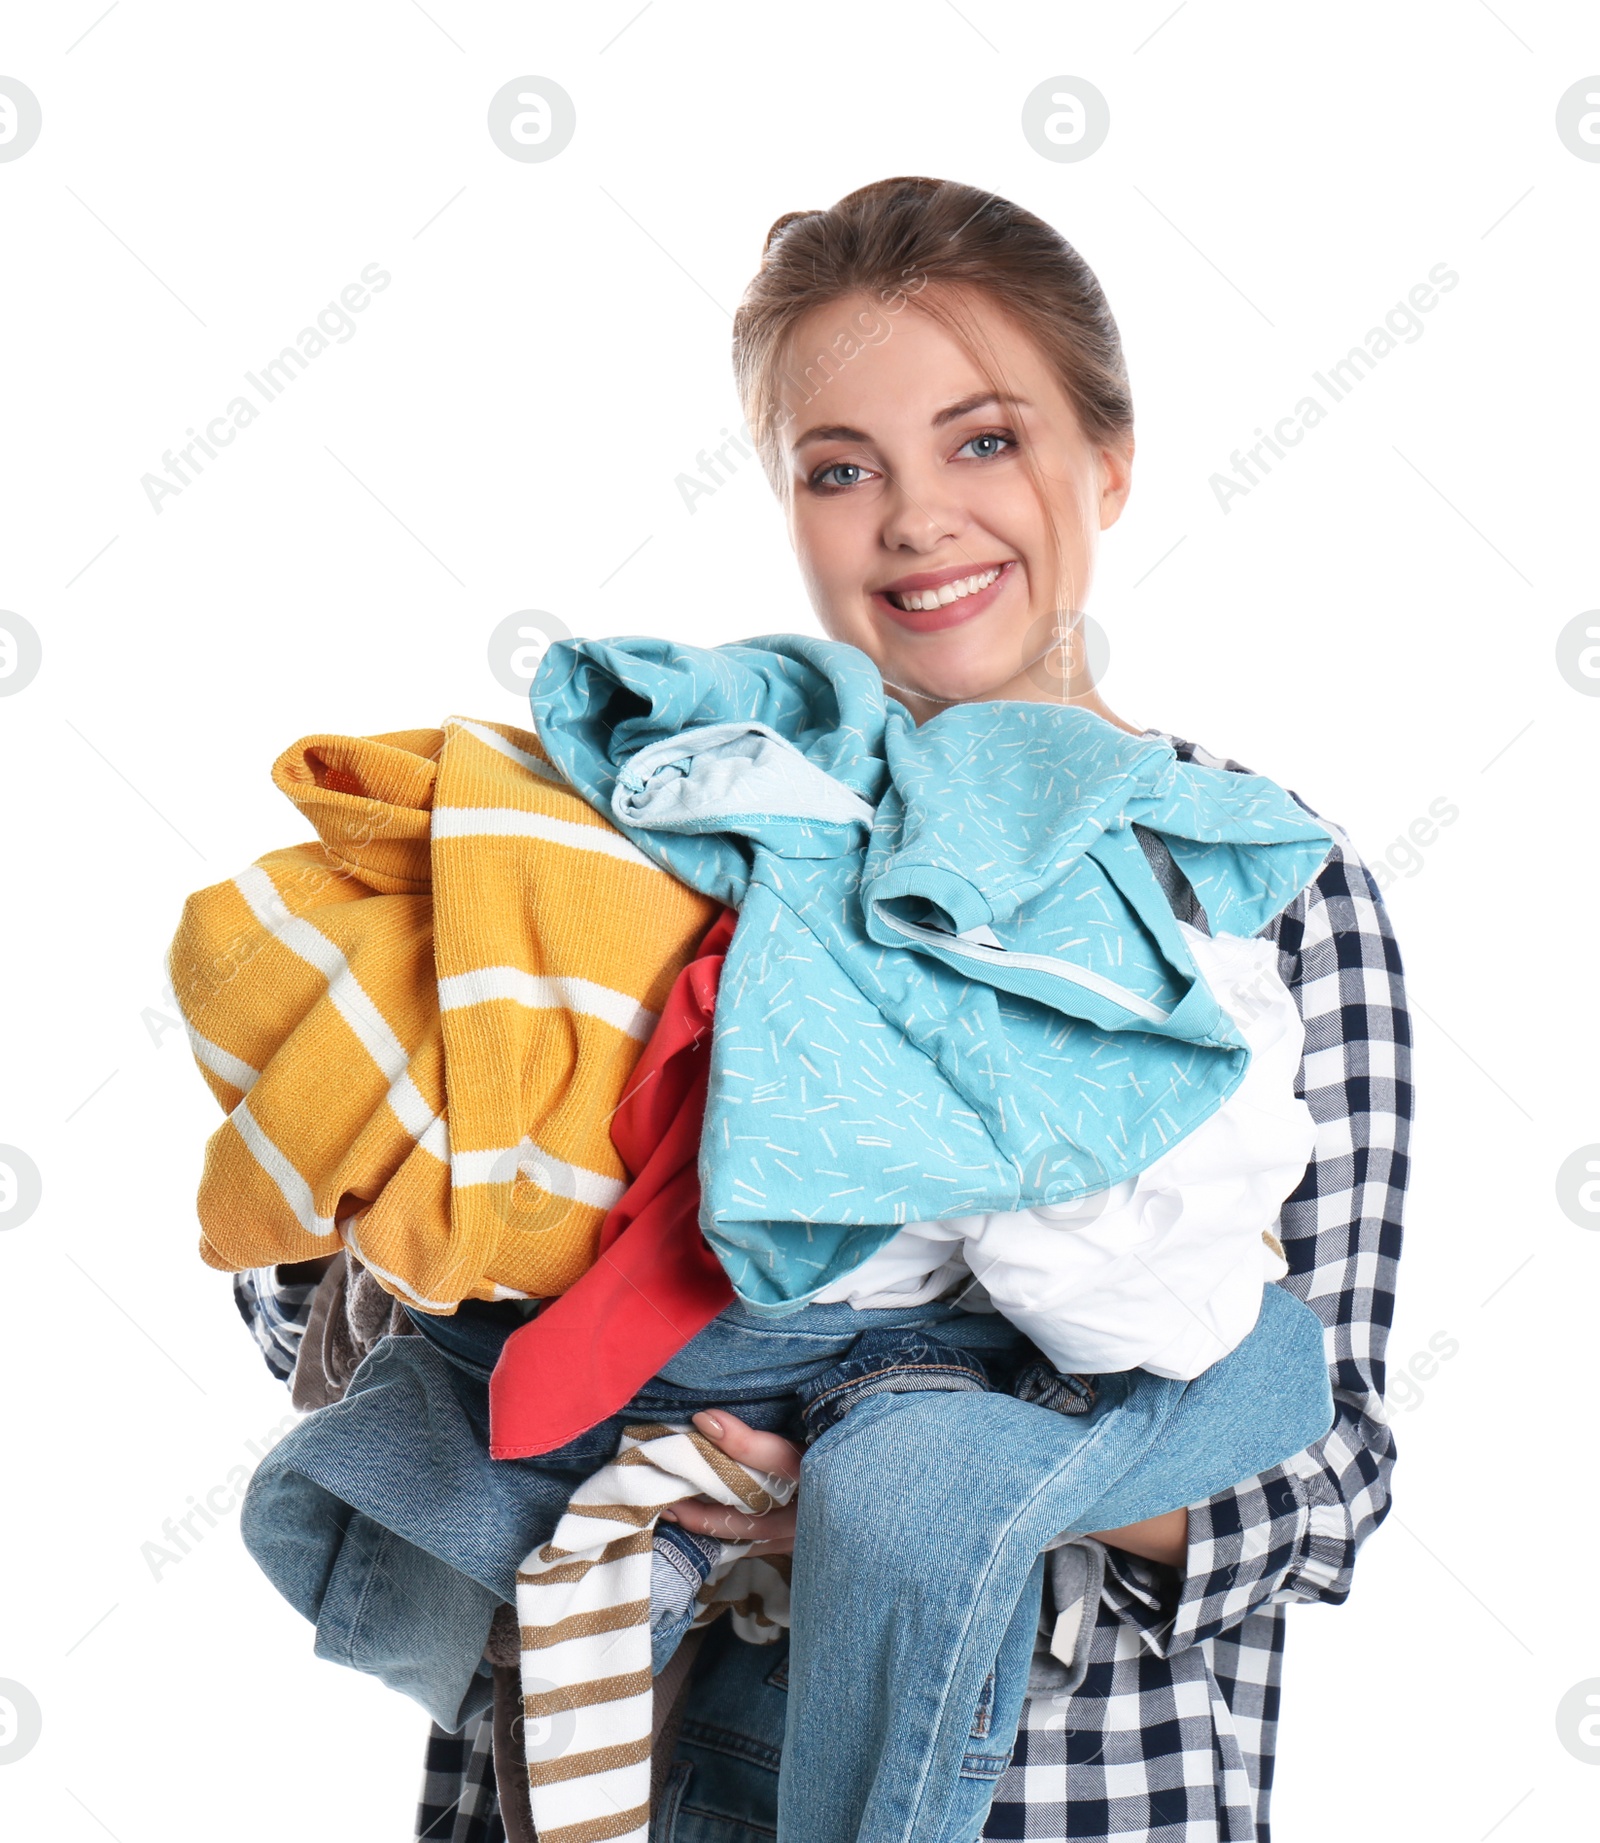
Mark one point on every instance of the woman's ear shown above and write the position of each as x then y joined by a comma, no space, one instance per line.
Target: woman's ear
1116,480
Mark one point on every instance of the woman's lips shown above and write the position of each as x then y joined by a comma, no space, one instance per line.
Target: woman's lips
935,620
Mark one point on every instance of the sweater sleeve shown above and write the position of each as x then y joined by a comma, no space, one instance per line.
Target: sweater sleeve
1292,1533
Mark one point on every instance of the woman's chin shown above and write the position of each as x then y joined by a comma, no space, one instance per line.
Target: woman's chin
963,664
946,681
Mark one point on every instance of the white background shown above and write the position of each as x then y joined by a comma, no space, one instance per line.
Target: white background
1375,625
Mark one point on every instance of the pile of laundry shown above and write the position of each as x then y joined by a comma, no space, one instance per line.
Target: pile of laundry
732,994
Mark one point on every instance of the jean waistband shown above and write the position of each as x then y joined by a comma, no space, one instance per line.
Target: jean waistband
471,1337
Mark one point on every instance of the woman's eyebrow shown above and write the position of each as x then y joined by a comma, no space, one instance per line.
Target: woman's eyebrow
834,432
968,404
841,432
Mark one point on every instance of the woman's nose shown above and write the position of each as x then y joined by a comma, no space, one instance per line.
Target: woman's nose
918,514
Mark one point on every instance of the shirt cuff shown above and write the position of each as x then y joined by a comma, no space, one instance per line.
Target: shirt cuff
1280,1536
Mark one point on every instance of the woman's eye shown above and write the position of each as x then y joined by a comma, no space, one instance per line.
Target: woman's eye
821,477
990,444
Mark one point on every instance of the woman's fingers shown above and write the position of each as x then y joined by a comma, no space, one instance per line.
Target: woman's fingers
762,1452
772,1533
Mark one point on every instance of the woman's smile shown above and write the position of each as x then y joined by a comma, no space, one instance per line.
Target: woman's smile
930,600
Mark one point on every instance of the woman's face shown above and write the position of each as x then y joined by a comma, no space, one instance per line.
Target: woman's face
918,530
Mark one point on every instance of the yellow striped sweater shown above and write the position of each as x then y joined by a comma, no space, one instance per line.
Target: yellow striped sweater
421,1023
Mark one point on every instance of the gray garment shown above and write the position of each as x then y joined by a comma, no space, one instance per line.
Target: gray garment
350,1312
510,1757
1175,886
1074,1578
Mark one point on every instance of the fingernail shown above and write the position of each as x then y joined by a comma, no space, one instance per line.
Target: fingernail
669,1516
710,1423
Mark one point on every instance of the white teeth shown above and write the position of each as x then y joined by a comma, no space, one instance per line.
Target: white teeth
915,600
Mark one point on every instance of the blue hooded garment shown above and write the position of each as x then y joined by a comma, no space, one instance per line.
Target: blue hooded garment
956,985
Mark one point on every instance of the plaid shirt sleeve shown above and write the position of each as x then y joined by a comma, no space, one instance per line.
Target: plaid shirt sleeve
1292,1533
275,1304
1174,1731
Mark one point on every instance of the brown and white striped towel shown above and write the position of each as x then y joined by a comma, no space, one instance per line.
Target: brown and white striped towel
584,1605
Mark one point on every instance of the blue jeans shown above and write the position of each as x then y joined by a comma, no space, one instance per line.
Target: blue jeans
382,1519
723,1783
918,1569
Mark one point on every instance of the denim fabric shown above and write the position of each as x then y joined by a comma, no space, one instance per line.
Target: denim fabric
680,1566
922,1521
887,1362
987,1751
723,1786
899,1619
382,1519
1040,1383
745,1358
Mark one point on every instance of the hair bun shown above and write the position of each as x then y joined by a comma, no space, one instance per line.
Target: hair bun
780,225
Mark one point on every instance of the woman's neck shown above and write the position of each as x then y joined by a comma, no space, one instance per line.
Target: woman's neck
923,707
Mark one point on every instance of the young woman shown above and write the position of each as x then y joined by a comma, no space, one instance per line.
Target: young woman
937,390
936,387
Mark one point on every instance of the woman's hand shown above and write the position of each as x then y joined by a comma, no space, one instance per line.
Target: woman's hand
1164,1538
771,1534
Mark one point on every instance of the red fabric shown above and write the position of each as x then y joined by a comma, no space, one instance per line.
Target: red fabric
656,1282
